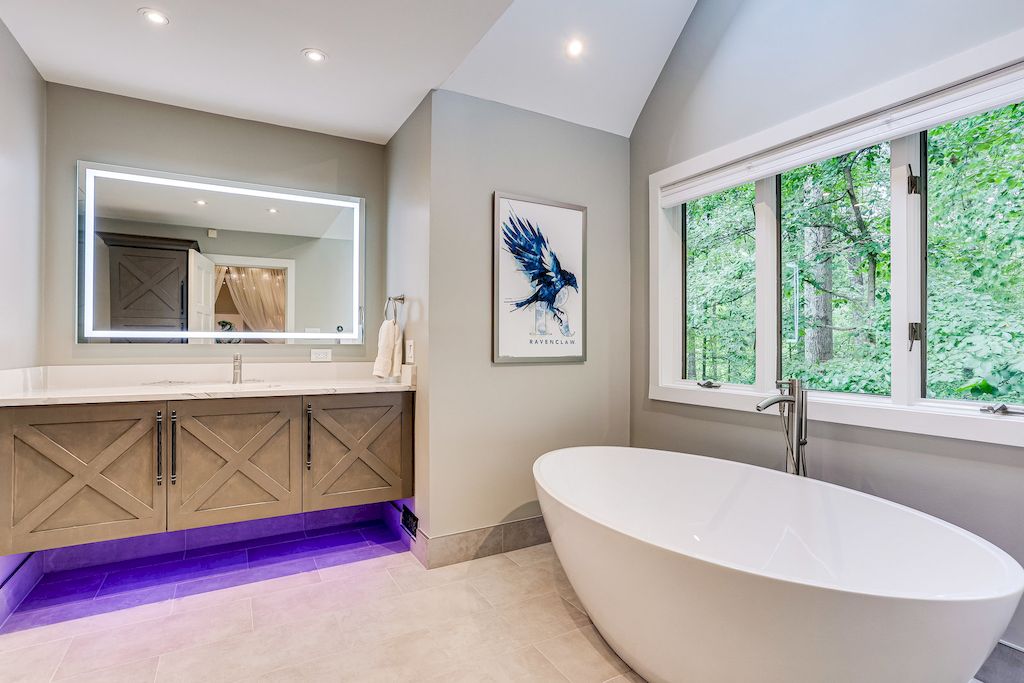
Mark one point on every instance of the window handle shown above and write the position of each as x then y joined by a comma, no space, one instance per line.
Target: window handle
708,384
915,334
1001,409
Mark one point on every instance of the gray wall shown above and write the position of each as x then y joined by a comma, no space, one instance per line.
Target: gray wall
22,126
408,165
740,67
489,423
93,126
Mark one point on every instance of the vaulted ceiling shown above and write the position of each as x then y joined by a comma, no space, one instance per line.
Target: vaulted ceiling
244,58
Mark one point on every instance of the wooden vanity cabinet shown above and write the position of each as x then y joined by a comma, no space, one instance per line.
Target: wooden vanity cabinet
358,449
79,474
86,473
234,459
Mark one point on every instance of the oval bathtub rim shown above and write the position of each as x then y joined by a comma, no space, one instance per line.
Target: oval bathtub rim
998,553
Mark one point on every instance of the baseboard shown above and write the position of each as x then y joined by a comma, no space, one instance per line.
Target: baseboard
19,584
440,551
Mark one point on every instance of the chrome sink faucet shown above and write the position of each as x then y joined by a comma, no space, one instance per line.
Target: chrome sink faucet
794,422
236,369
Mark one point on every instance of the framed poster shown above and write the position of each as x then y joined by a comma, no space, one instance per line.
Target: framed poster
540,295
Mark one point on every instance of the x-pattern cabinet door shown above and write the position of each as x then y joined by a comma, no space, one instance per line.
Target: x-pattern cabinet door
233,460
359,449
79,474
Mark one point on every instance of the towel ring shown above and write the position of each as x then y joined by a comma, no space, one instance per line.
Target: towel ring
400,299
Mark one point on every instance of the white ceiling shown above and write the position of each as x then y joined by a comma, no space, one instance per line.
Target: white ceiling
522,60
169,205
242,57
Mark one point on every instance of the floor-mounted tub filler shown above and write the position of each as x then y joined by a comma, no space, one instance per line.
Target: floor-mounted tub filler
700,569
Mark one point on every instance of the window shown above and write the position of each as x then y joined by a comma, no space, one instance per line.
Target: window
719,294
880,260
975,249
835,273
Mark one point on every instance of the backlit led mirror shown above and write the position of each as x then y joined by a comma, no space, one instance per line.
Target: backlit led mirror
176,259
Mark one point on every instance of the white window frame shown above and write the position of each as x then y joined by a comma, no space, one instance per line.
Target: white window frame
848,127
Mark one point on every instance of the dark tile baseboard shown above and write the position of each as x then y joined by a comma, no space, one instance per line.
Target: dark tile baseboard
441,551
1005,665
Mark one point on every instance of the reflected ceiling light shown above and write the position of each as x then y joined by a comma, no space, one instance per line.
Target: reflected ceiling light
200,202
314,55
154,16
574,48
271,210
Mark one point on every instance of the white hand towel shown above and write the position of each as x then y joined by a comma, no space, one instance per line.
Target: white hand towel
389,351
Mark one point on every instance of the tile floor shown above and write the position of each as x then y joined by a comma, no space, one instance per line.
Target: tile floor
343,604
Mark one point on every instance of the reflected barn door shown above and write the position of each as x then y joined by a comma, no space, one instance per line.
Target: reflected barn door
201,295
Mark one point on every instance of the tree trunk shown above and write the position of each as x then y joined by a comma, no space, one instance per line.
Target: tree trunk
818,302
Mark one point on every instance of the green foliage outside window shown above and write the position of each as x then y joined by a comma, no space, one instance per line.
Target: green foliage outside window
720,310
835,273
975,318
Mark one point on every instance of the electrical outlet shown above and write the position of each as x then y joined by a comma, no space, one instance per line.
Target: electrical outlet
410,351
320,355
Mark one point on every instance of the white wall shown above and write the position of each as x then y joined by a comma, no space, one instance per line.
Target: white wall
94,126
22,127
488,423
740,67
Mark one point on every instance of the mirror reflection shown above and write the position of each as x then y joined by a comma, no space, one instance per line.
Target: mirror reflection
166,258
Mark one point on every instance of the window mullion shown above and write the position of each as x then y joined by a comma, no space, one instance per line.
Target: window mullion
766,211
907,255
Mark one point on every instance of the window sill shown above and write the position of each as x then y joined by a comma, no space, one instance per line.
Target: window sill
955,420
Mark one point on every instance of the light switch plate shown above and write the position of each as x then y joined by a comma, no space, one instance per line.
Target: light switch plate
320,355
410,351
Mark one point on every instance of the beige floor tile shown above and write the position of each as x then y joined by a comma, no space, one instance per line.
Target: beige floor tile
582,656
411,658
628,677
382,563
414,577
250,655
144,640
423,609
515,584
543,617
32,663
142,671
187,603
300,603
75,627
526,664
483,634
545,552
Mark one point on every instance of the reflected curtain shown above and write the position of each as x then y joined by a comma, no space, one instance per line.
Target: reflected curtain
259,295
219,274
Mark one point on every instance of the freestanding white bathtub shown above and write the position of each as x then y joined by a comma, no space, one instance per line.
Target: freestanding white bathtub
699,570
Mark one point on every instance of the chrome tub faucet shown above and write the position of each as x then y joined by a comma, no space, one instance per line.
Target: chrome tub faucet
236,369
794,422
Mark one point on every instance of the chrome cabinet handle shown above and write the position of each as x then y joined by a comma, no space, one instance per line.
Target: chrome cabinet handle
174,447
309,436
159,448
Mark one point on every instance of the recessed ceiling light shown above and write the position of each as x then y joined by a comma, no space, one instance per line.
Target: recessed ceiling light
271,210
574,48
314,55
200,202
154,16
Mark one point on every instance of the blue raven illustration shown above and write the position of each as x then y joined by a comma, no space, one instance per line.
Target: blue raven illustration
541,266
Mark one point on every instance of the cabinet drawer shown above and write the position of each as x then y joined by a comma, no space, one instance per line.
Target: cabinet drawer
79,474
233,460
358,449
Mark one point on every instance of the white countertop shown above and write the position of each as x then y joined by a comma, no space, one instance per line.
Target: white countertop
125,383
